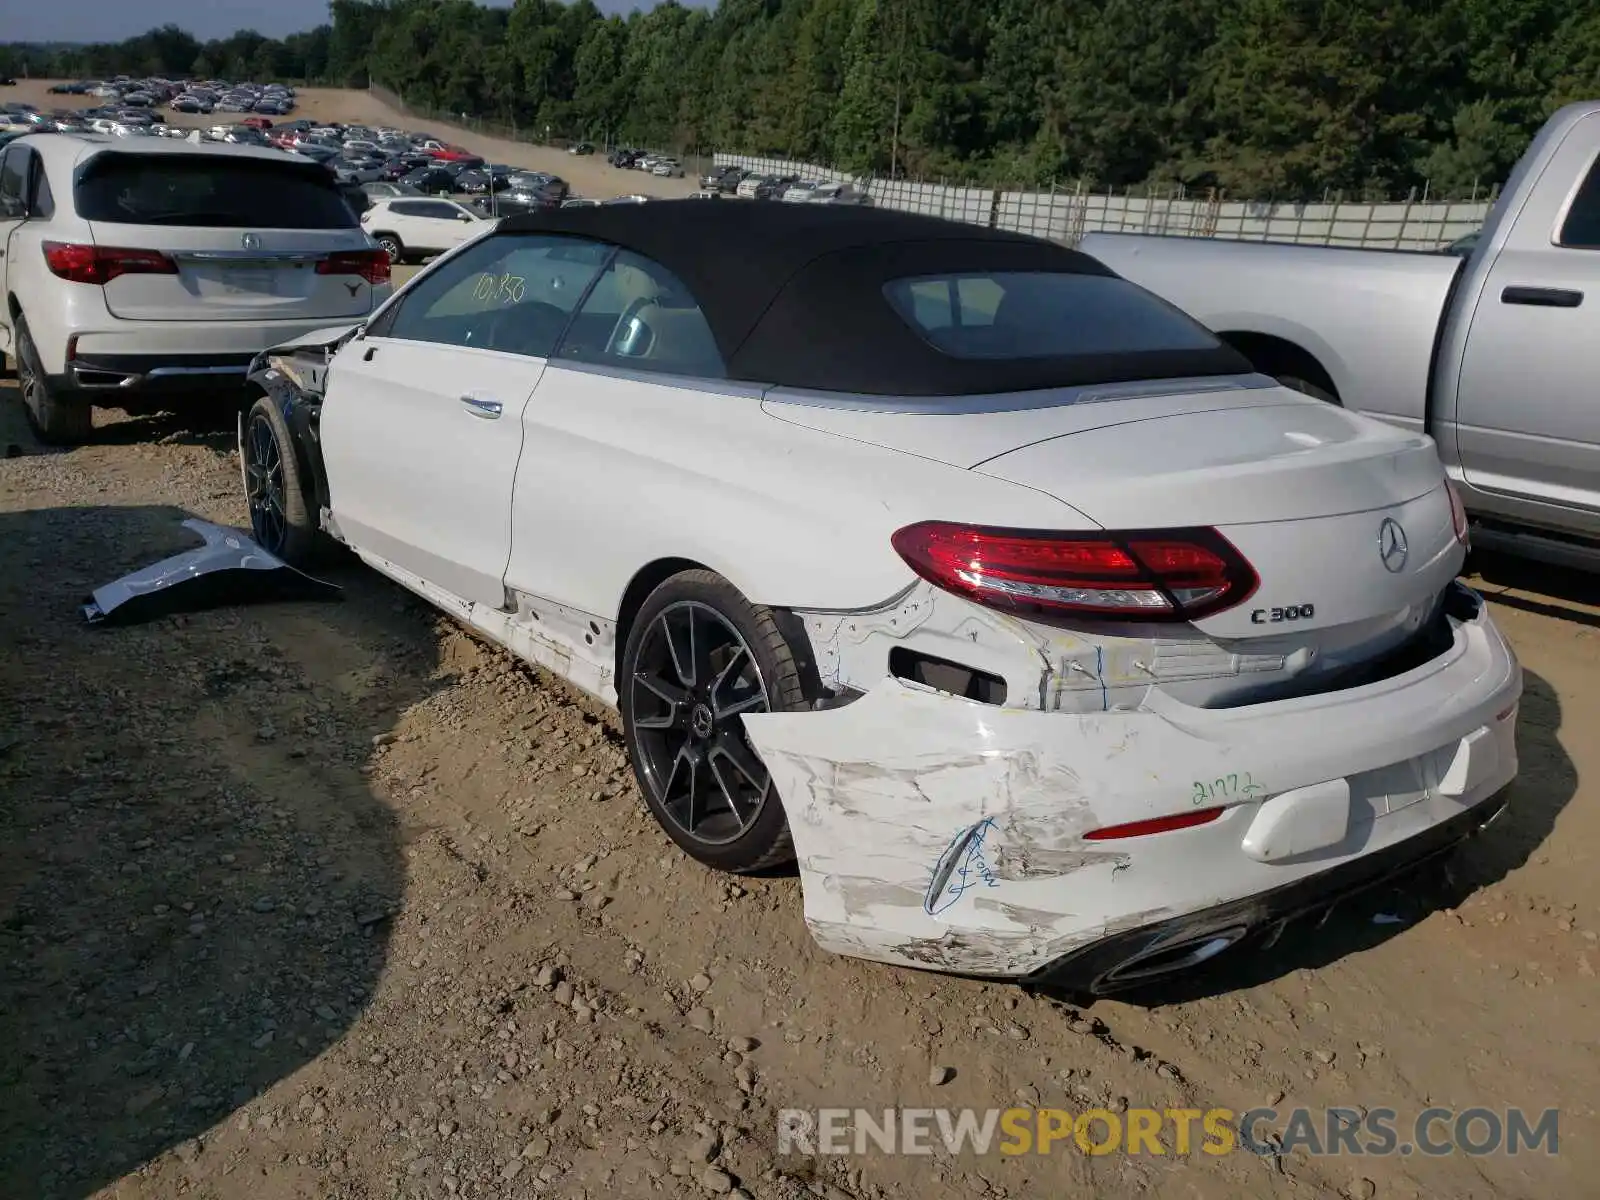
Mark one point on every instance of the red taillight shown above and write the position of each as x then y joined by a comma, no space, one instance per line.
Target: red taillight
1458,513
1147,575
77,262
371,265
1188,820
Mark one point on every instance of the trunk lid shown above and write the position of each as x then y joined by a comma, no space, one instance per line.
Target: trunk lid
1315,499
1346,521
218,279
246,233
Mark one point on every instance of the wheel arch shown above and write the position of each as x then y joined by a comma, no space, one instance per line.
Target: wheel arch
653,574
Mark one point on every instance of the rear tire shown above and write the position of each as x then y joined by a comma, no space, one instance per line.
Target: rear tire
698,656
58,420
282,519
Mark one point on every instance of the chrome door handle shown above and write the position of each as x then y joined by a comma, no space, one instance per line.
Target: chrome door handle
478,406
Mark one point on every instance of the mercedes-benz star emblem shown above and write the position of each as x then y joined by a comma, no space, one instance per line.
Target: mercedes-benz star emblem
251,241
1392,547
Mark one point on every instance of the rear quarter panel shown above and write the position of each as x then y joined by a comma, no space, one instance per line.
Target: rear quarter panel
619,471
1369,317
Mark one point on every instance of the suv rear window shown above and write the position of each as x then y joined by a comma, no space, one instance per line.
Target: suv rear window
138,189
1041,314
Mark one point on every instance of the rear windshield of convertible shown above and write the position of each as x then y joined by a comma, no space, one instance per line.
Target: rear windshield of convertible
1041,314
209,190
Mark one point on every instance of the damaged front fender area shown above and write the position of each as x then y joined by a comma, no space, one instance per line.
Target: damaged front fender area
937,832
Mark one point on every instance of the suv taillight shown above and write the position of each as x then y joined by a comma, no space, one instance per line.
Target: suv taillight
1142,575
77,262
371,265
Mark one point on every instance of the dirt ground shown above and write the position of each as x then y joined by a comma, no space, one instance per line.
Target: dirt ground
326,900
589,175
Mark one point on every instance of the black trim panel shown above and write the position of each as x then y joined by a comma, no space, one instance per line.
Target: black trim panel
1541,297
1088,969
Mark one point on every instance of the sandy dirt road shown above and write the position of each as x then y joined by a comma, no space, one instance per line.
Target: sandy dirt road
589,175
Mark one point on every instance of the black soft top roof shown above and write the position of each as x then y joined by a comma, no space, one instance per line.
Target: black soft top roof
793,293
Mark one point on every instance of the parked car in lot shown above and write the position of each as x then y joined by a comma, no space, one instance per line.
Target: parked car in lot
481,180
388,191
143,271
839,193
357,170
1494,354
409,229
517,200
581,148
1097,653
433,181
722,179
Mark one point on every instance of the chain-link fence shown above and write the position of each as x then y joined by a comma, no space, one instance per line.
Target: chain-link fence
1066,214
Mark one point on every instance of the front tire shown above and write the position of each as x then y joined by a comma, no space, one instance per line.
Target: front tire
392,247
282,520
699,656
55,419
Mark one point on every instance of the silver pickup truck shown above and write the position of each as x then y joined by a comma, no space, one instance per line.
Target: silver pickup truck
1495,354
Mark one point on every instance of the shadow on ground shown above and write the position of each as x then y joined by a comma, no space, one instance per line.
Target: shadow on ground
209,422
196,879
1558,592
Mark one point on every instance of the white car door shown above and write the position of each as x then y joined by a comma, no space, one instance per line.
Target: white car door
422,426
432,225
464,223
639,344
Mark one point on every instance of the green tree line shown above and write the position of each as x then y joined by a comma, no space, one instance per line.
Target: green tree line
1263,98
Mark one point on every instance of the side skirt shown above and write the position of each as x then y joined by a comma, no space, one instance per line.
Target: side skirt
577,647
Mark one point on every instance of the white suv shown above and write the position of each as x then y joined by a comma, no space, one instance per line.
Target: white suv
139,272
416,226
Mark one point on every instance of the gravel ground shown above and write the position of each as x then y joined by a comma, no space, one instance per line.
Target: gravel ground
329,900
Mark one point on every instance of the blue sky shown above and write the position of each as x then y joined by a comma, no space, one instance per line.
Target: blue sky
113,20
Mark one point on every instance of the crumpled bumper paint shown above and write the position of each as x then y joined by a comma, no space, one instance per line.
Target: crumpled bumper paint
936,832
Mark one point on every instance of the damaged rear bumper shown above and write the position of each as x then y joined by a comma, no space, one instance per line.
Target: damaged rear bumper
1138,956
937,832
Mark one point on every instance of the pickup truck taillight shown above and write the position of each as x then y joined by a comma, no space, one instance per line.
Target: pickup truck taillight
77,262
1148,575
371,265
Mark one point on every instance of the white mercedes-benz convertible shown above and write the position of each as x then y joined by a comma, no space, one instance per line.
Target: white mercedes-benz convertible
1051,641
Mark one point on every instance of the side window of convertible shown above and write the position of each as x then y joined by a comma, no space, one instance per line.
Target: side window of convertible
641,316
513,293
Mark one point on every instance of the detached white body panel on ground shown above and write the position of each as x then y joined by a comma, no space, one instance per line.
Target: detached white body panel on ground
1085,649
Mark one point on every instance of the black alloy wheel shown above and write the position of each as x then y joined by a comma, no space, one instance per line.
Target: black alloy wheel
694,676
281,520
263,474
